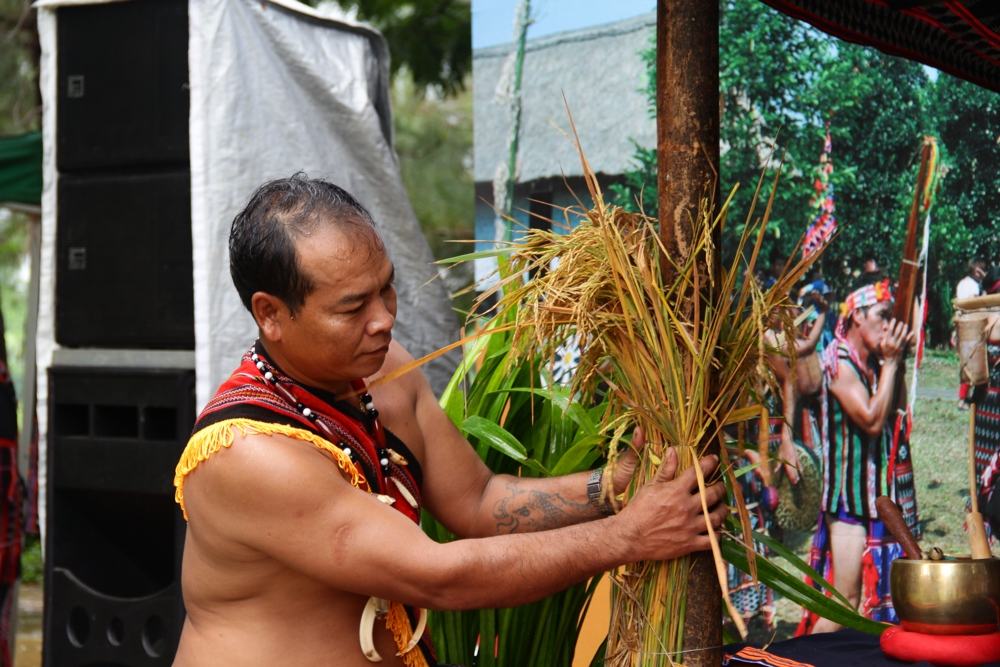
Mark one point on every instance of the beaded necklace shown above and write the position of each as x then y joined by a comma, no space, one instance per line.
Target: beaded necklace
385,457
397,620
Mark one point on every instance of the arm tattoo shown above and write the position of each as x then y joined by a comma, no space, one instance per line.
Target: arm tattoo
526,511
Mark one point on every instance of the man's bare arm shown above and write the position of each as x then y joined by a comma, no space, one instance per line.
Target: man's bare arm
870,413
298,510
462,493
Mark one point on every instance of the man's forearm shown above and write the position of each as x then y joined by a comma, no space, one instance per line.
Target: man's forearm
523,504
523,568
884,395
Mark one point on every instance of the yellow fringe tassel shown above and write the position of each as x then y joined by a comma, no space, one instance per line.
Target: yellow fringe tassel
398,623
213,438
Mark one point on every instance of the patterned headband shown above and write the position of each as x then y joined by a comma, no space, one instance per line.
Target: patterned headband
863,297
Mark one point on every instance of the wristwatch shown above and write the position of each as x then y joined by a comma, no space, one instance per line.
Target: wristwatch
594,496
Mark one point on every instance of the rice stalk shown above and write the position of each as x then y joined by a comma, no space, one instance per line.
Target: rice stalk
683,359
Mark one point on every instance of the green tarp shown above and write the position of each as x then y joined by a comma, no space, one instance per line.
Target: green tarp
21,169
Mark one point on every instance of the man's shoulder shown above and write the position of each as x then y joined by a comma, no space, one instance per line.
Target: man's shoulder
257,467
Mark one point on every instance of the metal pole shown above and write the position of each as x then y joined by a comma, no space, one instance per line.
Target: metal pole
687,137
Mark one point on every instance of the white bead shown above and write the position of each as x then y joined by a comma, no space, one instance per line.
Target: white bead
306,411
369,406
254,357
269,375
260,365
384,462
347,450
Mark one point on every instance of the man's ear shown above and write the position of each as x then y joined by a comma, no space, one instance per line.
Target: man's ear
268,311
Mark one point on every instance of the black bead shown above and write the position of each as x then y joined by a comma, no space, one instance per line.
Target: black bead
366,398
373,413
299,406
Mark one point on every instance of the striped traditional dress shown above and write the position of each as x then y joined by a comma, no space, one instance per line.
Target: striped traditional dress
987,407
854,475
853,471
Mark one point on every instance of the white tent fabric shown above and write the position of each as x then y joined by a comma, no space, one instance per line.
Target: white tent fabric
273,92
276,88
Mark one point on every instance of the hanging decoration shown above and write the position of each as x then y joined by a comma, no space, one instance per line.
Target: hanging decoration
824,223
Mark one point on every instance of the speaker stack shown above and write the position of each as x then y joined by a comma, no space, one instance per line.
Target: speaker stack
118,417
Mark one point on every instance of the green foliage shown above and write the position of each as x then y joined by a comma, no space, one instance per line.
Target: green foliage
434,144
430,38
967,120
31,561
20,101
20,112
13,289
788,582
781,81
543,432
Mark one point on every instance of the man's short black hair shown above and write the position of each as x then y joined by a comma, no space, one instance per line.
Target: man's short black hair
262,256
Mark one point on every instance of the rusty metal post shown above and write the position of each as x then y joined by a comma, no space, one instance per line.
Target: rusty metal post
687,138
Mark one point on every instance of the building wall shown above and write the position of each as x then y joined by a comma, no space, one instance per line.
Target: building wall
560,194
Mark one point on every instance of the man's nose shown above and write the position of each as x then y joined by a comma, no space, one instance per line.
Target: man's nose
382,319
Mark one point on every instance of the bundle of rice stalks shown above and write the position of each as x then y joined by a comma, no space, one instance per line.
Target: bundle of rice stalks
682,356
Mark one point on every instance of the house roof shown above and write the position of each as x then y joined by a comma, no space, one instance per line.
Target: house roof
600,72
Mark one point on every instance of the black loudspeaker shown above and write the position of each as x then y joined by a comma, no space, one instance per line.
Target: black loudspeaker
123,264
122,71
114,536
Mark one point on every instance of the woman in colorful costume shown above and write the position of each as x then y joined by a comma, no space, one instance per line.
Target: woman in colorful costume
302,509
851,547
985,401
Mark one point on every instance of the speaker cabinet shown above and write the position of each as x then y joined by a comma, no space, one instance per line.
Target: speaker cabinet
122,73
124,268
114,536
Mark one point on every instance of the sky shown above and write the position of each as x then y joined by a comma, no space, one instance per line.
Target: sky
493,20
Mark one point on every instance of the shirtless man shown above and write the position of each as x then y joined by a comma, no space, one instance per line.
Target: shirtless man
285,547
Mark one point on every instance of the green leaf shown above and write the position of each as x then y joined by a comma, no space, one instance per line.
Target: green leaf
784,552
537,467
495,436
580,456
798,591
561,399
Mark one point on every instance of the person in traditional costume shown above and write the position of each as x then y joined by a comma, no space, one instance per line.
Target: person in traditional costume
971,285
302,498
985,400
851,547
770,454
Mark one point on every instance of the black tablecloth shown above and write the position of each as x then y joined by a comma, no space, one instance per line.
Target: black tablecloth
845,648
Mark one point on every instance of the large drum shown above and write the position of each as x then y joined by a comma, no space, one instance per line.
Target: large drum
977,320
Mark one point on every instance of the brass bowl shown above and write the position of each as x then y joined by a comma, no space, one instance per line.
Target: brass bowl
947,597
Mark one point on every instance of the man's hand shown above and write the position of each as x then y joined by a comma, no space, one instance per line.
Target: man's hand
789,458
627,462
895,339
664,520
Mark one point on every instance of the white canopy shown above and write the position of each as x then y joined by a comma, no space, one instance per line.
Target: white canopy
275,88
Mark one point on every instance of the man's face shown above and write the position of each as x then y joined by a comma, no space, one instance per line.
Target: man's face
343,329
874,324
